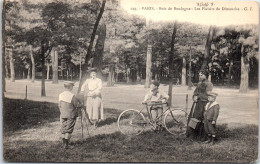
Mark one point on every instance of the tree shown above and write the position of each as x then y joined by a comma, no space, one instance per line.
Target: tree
11,65
183,77
54,61
89,51
148,76
207,47
4,64
99,48
171,62
249,49
10,15
111,79
33,64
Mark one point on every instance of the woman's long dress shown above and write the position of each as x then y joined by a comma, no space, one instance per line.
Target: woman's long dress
93,100
198,108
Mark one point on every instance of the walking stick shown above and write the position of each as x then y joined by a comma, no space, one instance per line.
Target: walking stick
87,118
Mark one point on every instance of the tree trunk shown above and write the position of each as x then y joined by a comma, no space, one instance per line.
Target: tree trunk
156,73
230,71
62,74
110,81
183,72
29,73
207,48
93,35
138,72
99,49
116,78
6,66
80,67
4,63
148,77
244,72
23,74
171,63
33,64
70,73
67,74
128,71
11,65
54,61
43,93
189,80
88,55
48,71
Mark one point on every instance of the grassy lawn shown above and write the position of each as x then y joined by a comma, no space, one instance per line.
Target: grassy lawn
31,134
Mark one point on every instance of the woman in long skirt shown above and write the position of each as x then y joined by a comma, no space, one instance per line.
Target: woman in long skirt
200,99
92,95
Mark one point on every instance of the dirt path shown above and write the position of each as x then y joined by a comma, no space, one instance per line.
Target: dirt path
236,108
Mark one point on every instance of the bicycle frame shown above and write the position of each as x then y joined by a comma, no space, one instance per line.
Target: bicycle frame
172,124
148,106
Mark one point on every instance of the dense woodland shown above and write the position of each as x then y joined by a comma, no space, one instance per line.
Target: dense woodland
52,40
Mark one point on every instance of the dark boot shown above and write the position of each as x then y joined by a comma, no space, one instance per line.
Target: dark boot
63,141
66,145
203,139
208,140
157,129
213,140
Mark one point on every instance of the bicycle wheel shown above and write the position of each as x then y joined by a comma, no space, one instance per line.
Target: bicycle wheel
175,121
131,122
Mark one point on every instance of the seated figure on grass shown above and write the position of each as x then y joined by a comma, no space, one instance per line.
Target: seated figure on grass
156,110
68,104
210,117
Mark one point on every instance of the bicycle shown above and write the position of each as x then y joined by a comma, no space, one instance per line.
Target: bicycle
133,122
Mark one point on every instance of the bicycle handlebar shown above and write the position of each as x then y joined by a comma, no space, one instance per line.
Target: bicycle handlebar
155,103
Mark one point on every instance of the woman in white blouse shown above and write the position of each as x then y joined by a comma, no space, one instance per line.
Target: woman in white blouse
92,96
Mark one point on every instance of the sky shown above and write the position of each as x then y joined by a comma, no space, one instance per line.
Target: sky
199,12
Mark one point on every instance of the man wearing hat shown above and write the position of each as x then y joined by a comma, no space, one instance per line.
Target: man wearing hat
68,104
210,117
154,96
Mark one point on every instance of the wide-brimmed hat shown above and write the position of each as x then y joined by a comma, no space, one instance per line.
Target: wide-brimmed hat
68,83
213,94
156,83
204,72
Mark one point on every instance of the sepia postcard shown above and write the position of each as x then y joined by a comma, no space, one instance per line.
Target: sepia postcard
130,81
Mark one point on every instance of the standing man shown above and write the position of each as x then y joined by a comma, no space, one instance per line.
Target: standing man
68,104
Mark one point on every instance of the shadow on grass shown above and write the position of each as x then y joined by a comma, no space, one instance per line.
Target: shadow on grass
111,117
23,114
234,133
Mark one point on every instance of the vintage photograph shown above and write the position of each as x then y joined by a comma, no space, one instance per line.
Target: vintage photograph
130,81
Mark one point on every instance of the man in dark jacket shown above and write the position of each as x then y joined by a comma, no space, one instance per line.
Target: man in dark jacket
210,117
